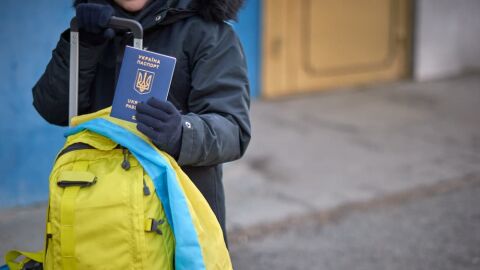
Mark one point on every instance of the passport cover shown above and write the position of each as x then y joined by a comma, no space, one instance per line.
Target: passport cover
143,74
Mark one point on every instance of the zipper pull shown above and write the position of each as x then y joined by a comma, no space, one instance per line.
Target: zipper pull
125,162
146,190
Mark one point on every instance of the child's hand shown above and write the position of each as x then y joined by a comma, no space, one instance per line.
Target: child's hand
162,123
93,19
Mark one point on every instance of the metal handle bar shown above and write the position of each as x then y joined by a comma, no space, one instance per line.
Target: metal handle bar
115,22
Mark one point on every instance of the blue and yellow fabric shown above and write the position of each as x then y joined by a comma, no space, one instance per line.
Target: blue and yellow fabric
102,216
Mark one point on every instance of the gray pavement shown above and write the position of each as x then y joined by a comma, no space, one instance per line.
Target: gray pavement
22,229
320,165
319,151
440,231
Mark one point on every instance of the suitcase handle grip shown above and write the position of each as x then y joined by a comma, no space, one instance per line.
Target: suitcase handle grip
115,22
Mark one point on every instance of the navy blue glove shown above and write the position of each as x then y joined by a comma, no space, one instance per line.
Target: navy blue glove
162,123
93,20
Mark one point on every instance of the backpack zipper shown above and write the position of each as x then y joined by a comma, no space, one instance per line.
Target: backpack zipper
83,146
74,147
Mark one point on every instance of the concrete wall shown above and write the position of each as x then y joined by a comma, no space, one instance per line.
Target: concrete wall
28,145
447,39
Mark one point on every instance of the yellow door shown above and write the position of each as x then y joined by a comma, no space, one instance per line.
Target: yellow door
311,45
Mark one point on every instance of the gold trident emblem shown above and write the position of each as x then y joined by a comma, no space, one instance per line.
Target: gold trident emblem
144,80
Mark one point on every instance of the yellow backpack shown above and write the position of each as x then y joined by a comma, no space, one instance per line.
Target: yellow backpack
116,202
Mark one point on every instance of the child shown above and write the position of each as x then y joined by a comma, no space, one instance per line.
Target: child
205,121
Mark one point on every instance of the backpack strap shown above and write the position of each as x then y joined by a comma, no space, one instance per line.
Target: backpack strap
71,181
33,260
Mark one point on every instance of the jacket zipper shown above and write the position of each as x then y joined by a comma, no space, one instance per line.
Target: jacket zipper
175,103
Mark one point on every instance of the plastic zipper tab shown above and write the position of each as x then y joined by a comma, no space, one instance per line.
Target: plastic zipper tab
146,190
125,162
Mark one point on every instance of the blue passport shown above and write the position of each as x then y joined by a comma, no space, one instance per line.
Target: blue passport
143,75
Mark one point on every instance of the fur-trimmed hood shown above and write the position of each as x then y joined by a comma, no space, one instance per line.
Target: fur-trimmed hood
217,10
210,10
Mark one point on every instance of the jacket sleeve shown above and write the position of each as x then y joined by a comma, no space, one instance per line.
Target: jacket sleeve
217,127
50,93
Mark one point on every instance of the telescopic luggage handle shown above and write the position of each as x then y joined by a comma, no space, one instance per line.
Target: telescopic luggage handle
115,22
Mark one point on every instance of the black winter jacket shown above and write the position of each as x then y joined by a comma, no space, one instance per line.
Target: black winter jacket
209,86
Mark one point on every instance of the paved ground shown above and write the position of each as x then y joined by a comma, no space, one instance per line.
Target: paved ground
319,151
430,228
381,177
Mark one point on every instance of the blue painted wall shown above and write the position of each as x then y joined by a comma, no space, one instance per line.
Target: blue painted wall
28,145
30,30
249,31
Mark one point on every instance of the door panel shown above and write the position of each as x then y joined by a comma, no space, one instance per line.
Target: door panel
311,45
